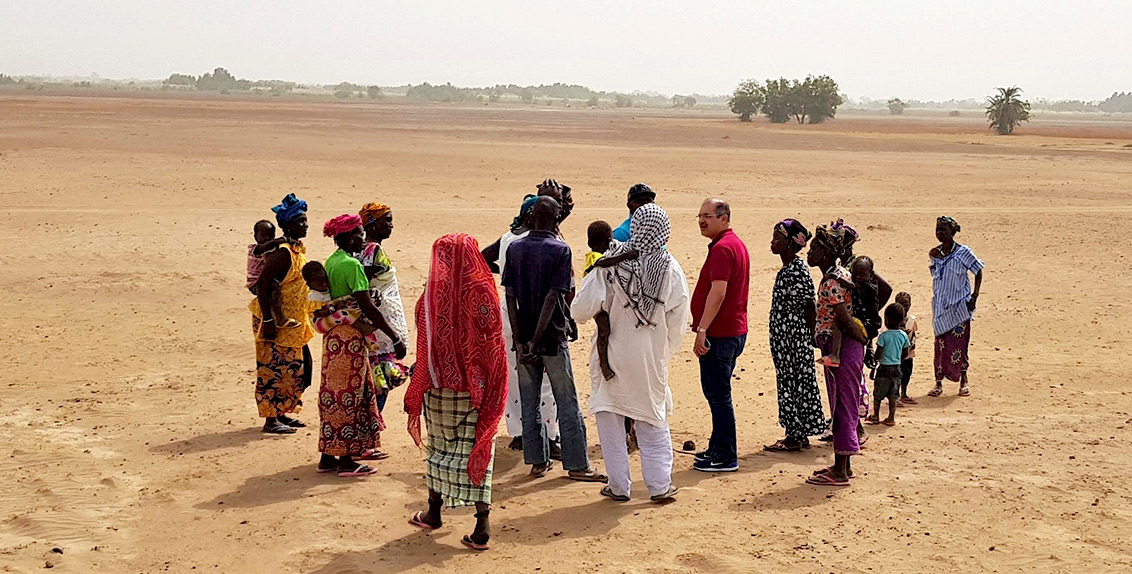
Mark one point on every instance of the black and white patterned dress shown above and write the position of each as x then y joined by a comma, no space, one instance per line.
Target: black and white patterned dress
799,400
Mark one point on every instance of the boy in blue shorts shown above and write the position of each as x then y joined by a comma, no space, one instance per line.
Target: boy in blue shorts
892,347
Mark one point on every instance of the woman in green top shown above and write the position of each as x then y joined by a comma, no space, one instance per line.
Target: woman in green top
347,400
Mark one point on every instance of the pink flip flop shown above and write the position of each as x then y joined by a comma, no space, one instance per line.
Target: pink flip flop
825,480
373,454
419,522
467,540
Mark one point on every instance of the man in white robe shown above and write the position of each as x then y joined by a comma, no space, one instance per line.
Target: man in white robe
647,302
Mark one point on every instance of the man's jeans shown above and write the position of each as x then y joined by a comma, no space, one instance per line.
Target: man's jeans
716,367
571,427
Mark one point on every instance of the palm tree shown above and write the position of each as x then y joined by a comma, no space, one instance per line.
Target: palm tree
1006,110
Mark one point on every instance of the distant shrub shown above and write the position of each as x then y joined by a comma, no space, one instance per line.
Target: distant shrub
953,114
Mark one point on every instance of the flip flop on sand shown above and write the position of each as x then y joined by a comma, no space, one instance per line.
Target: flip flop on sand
829,469
964,391
588,475
608,493
418,521
826,480
360,470
373,454
467,541
540,470
935,392
780,446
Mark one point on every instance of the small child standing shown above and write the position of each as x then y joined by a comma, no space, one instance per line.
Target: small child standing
909,327
266,242
892,347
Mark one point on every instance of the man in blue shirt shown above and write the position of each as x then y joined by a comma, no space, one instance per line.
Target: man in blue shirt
640,194
537,277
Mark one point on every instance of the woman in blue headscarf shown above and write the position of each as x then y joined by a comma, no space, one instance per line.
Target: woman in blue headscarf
283,360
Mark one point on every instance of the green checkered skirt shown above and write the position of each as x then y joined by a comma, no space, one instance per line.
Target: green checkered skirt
451,424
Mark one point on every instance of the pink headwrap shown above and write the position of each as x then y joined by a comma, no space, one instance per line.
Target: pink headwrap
342,224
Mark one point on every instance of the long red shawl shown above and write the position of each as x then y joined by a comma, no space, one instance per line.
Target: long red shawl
460,342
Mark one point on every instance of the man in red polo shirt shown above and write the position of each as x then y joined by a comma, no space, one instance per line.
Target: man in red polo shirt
719,318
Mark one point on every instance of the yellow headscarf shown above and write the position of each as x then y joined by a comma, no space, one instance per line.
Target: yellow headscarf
372,211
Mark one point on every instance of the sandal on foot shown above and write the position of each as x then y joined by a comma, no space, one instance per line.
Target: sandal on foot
935,392
540,470
888,423
467,541
608,493
418,521
826,480
373,454
278,428
872,421
781,446
588,475
964,391
667,496
359,470
908,400
293,423
829,469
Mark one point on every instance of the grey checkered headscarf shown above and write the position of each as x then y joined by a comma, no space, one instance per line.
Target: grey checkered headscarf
642,279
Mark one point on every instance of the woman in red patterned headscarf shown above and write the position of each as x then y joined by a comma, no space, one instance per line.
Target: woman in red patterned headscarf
459,381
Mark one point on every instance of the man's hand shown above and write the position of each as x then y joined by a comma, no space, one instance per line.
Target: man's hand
572,330
971,303
523,350
267,331
399,349
701,347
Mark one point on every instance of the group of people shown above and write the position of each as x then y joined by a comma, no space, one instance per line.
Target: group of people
481,357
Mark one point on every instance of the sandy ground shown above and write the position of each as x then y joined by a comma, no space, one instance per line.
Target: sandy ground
128,432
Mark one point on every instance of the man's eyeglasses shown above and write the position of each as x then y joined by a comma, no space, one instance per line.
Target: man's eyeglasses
707,216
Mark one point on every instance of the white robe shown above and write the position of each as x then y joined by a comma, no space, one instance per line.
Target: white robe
638,355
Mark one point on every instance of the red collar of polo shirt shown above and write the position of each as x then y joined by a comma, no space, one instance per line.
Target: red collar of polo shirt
721,235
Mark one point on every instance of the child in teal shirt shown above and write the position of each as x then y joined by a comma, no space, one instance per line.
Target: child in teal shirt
892,347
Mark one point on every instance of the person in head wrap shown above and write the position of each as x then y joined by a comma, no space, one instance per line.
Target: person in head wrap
283,360
561,194
377,220
645,301
953,304
350,421
792,315
496,257
460,383
843,382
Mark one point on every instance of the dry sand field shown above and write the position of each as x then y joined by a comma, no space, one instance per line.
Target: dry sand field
128,432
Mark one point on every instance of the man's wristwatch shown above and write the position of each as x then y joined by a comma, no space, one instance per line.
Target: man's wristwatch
702,330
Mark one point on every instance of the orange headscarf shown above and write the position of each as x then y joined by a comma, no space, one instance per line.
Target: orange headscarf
372,211
460,342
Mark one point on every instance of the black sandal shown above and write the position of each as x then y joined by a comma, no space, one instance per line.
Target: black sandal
278,428
293,423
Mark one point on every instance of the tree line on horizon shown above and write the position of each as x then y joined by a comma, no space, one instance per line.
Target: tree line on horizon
222,81
815,99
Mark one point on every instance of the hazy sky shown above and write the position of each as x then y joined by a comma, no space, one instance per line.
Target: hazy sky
876,48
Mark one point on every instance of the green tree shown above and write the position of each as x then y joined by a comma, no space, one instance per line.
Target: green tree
593,102
813,98
623,101
896,106
777,96
180,80
689,102
374,92
1006,109
747,99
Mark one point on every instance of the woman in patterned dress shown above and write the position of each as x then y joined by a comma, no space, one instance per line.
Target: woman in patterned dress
460,383
283,360
347,400
792,315
953,304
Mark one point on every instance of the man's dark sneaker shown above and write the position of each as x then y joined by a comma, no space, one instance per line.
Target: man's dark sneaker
716,466
703,455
